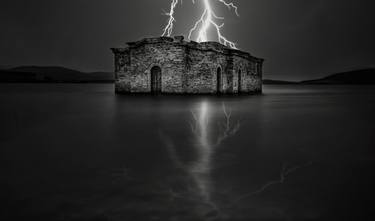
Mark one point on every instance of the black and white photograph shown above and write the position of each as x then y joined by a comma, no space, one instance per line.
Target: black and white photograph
187,110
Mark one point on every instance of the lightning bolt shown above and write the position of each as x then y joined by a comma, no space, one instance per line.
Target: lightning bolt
207,19
169,28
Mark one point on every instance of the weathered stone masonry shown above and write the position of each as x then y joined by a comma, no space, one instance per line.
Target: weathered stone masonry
172,65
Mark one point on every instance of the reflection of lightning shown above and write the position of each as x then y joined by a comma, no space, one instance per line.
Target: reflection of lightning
284,173
226,127
202,167
200,170
206,20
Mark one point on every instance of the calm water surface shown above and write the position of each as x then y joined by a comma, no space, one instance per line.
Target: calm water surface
79,152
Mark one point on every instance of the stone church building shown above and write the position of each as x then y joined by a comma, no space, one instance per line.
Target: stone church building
174,66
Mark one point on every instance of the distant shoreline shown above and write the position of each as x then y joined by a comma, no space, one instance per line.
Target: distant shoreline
56,82
61,75
356,77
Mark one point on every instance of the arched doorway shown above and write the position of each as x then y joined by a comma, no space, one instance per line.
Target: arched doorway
219,80
156,80
239,81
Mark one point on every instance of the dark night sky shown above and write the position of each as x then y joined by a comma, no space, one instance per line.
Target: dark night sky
299,39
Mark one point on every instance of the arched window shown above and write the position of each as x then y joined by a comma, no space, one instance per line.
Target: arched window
219,81
156,80
239,81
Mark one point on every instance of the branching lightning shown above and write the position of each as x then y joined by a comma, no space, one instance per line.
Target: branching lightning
169,28
207,19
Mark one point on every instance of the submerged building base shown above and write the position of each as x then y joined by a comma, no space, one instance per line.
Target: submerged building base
174,66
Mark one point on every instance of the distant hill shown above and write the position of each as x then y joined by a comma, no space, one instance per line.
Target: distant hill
364,76
3,67
53,75
359,77
268,81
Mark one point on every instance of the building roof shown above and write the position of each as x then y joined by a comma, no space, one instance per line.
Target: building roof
179,40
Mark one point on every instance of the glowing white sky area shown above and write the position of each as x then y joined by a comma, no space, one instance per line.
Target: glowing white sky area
202,37
208,19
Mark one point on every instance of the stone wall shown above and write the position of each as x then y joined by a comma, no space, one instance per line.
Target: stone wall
251,75
187,67
201,71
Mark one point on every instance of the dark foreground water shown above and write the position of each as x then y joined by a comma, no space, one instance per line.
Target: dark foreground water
79,152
